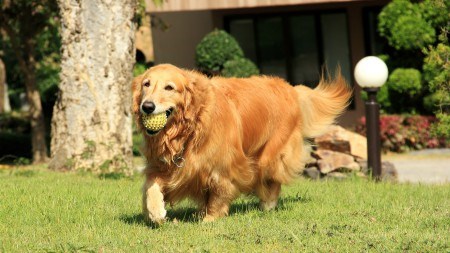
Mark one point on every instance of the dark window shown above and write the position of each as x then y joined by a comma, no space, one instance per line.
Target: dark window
270,46
243,31
375,44
305,56
294,46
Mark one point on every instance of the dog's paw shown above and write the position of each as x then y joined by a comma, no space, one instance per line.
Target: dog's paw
209,218
268,205
157,213
155,218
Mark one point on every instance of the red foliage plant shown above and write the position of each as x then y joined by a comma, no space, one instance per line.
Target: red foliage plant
403,133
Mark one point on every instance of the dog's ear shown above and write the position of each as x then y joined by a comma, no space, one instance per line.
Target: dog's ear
137,93
194,93
188,92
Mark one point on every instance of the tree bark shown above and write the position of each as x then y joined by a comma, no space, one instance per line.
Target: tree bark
91,124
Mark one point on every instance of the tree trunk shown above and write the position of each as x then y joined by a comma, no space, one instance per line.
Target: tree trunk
2,86
38,142
91,124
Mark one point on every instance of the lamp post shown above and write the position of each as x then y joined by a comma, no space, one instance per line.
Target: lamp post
371,73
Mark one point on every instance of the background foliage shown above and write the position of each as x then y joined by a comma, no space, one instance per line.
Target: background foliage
218,53
29,46
409,27
437,73
241,67
46,50
418,60
401,133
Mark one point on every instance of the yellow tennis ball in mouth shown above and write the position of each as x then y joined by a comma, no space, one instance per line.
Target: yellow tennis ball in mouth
154,122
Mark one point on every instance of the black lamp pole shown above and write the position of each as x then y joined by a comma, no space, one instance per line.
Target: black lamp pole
373,133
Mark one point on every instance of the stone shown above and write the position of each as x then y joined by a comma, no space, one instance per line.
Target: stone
341,140
388,171
311,160
361,174
337,175
364,167
312,172
334,161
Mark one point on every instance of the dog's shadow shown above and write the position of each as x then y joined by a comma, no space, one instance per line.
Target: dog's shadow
191,214
185,214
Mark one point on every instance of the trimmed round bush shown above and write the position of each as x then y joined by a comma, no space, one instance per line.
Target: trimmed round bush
241,67
215,49
405,81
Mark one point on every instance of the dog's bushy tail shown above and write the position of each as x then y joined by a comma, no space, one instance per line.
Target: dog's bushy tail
321,106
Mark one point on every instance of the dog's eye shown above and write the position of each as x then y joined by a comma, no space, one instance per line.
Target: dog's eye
146,83
168,87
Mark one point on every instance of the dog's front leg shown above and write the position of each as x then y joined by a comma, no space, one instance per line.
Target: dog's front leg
153,201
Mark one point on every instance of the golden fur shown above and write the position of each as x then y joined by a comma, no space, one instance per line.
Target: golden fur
228,136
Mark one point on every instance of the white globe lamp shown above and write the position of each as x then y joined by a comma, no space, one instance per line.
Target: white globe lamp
371,73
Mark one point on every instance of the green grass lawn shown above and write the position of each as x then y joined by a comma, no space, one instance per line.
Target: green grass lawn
42,211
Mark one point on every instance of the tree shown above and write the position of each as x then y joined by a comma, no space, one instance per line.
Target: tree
2,86
91,124
22,21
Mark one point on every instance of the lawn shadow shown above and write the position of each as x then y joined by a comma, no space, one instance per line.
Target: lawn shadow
284,203
244,207
134,219
185,214
191,215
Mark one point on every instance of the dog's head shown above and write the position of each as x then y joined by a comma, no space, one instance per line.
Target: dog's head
161,89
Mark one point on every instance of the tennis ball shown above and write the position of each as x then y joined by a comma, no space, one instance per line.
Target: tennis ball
154,122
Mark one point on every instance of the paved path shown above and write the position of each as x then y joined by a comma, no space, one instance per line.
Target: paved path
426,166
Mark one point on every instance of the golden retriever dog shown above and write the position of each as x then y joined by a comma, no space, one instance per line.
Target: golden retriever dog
227,136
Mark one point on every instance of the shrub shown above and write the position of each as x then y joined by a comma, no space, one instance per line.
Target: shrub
437,12
436,65
403,133
382,98
241,67
402,93
139,68
392,12
411,33
437,73
215,49
442,127
432,101
405,81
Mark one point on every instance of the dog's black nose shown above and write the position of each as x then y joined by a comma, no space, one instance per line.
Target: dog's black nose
148,107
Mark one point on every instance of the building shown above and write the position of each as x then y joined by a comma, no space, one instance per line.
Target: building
292,39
